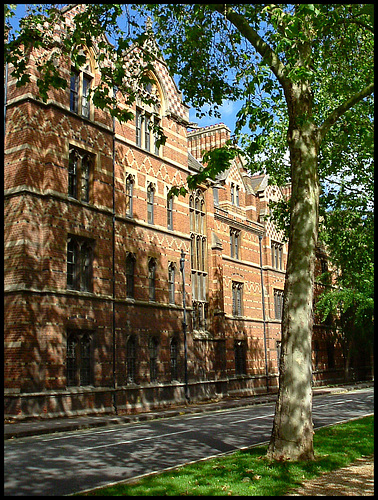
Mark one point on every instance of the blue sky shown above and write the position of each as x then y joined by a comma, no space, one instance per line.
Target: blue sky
228,109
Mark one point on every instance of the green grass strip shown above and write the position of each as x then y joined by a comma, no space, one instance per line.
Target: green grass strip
248,472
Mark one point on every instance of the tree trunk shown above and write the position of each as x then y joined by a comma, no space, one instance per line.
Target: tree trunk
292,435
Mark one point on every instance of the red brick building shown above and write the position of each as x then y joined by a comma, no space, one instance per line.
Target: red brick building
93,284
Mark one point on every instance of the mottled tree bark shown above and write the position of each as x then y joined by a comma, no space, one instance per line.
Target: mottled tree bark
292,436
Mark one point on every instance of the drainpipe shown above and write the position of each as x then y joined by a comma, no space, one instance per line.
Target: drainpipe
113,275
264,320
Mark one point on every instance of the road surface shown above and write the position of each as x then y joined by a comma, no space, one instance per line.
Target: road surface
69,462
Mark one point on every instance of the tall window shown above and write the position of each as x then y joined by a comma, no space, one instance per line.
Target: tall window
150,203
80,84
233,193
147,132
130,273
331,354
170,212
80,167
129,195
131,359
278,304
147,120
79,264
237,196
171,282
174,359
216,196
138,127
237,298
277,249
152,279
74,91
78,358
156,137
153,348
85,102
198,259
234,243
240,357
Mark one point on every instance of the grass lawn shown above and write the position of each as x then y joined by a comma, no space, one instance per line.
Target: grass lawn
248,472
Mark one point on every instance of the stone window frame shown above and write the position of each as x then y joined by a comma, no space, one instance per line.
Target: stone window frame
80,255
277,255
81,165
235,243
81,81
79,358
278,303
131,359
237,298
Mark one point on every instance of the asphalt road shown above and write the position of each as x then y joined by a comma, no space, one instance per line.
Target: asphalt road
69,462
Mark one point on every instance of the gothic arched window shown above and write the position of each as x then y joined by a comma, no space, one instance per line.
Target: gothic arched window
80,85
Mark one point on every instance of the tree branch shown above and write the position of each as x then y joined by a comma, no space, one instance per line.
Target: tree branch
264,49
343,108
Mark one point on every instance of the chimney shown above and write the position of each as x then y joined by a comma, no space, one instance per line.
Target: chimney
206,138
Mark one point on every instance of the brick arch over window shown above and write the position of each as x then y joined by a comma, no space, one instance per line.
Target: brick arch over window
158,90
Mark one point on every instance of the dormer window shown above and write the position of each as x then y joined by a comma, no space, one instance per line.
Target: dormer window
147,117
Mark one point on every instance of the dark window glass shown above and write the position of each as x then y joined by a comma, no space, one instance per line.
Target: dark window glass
78,358
171,283
85,360
129,195
80,165
74,92
71,264
138,128
278,304
86,267
79,264
240,357
131,359
237,289
71,361
130,272
72,175
85,172
170,212
153,348
85,106
150,204
173,357
147,132
151,278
